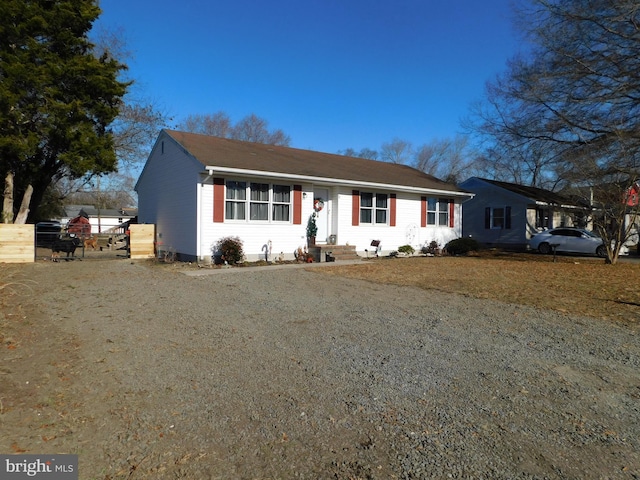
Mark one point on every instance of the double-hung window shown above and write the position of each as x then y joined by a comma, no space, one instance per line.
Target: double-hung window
257,202
281,205
443,212
259,205
236,201
438,211
497,218
374,208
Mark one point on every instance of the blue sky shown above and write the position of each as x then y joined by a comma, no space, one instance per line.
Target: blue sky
332,74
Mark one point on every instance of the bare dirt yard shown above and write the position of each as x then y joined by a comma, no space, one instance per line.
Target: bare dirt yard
483,367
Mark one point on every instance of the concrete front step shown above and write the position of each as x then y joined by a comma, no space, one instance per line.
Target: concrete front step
320,253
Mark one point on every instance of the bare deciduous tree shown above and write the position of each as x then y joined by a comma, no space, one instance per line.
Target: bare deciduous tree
396,151
368,153
568,111
216,124
133,131
249,129
364,153
139,118
449,159
254,129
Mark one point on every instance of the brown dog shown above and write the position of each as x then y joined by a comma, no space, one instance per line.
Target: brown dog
91,242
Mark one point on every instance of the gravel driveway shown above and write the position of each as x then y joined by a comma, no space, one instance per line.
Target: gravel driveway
257,373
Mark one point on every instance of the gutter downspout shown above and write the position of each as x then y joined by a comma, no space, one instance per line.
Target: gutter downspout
199,254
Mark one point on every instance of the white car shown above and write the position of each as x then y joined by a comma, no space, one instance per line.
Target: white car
569,240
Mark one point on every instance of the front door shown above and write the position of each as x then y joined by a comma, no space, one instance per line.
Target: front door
321,206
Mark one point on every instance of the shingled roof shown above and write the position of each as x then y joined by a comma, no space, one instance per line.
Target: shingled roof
234,154
533,193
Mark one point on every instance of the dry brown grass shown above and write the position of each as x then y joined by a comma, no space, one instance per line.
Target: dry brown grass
572,285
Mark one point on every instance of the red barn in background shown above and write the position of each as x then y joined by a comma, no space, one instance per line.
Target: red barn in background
80,225
633,195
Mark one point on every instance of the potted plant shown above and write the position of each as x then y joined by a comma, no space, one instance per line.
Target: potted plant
312,229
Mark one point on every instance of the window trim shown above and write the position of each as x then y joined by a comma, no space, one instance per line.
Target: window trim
374,208
258,201
495,217
441,207
273,203
248,201
489,217
443,212
235,201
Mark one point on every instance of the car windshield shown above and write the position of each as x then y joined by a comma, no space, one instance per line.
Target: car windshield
589,234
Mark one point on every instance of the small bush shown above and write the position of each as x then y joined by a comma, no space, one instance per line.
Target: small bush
432,249
229,249
406,249
462,246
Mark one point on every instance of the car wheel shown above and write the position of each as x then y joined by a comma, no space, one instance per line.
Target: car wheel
544,248
601,251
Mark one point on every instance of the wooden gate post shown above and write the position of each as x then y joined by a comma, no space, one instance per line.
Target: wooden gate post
17,243
141,239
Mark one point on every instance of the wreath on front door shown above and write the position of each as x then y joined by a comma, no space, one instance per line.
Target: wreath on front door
318,204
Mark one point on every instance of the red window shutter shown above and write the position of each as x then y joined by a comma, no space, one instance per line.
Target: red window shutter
452,208
392,210
423,211
297,204
218,200
355,208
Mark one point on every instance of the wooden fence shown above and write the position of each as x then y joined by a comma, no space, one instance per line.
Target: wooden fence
141,241
17,243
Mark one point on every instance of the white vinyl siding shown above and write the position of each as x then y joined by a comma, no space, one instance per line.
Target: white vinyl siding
406,231
182,198
167,193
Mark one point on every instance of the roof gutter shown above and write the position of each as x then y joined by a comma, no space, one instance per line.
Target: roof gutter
333,181
551,204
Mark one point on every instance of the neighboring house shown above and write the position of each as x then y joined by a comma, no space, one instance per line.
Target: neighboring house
506,215
198,189
605,212
632,219
103,220
633,195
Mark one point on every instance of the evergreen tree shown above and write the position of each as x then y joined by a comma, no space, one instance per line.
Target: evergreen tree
57,98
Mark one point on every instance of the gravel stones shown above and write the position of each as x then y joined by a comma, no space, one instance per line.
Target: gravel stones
291,373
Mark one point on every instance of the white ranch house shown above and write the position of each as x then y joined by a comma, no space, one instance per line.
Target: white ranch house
198,189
